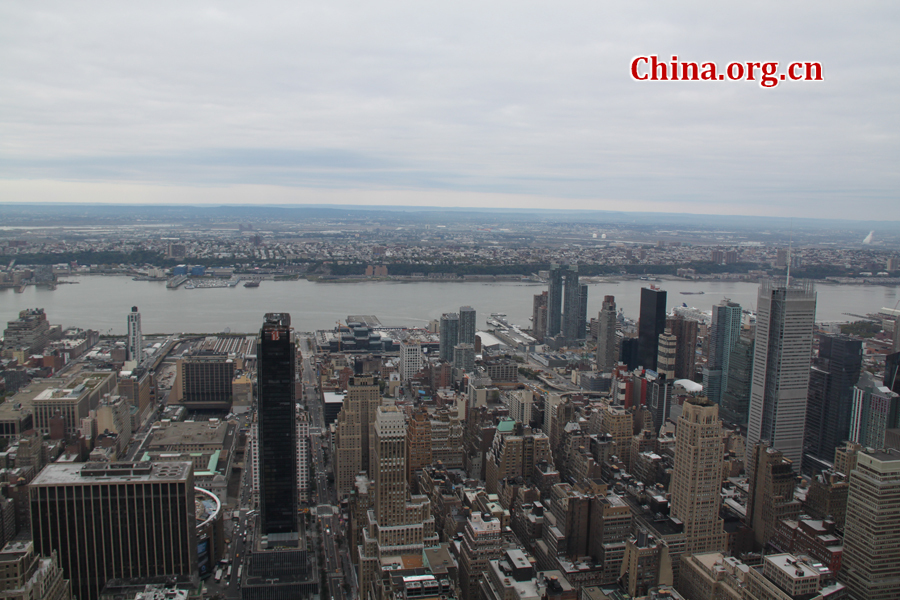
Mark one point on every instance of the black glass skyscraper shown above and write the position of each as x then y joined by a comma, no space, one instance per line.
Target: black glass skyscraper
830,399
651,325
277,426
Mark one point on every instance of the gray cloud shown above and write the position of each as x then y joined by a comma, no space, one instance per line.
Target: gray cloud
497,98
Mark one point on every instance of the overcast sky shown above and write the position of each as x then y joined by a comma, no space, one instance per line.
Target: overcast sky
489,103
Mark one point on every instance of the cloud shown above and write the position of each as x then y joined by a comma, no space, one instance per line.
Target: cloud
502,100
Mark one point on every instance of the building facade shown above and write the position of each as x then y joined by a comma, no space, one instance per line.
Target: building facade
871,551
277,442
651,325
115,520
785,318
697,476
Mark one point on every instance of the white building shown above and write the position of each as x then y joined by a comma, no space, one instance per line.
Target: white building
410,359
780,384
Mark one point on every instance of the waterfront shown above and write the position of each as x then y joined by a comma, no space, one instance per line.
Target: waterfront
101,303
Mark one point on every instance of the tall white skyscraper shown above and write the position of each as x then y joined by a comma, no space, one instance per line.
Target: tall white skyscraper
134,349
778,393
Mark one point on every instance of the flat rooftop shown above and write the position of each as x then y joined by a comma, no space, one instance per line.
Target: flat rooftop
94,473
201,433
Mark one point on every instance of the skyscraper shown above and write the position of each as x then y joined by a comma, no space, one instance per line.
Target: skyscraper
723,335
665,358
872,528
697,477
875,410
607,341
892,372
351,452
571,305
115,520
466,325
735,406
685,332
652,323
449,335
784,332
771,492
400,526
277,426
581,323
830,399
554,301
539,316
134,347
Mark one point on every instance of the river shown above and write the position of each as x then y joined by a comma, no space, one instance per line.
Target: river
102,302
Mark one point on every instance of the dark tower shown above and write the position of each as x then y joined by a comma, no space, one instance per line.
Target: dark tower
651,325
830,399
277,426
554,301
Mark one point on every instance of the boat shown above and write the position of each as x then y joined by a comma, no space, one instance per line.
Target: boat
693,293
251,284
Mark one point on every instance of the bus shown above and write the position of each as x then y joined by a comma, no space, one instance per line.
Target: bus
218,577
228,573
240,568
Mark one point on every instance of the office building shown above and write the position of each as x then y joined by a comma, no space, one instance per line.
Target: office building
539,316
581,325
205,381
399,526
277,444
651,325
115,520
574,299
351,438
697,476
304,455
685,332
481,544
467,325
607,339
28,334
735,407
830,399
724,332
659,400
875,409
554,302
892,372
411,359
665,360
521,403
464,357
871,550
134,345
449,333
25,575
784,333
770,497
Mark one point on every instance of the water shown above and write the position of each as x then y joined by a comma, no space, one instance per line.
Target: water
102,303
